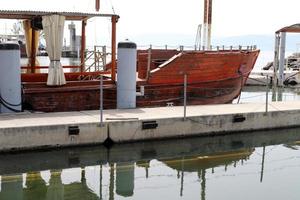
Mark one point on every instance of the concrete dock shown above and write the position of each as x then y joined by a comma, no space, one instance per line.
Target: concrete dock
47,130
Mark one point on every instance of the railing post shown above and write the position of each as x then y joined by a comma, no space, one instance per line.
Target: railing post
184,97
104,57
149,62
101,101
95,57
181,48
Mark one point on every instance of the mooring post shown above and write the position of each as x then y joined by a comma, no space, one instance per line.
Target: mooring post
184,98
101,100
267,93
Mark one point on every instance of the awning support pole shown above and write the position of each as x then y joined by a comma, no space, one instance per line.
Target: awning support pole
33,51
83,45
282,58
114,20
276,59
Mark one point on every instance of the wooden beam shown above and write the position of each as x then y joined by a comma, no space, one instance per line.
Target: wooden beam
114,20
33,51
83,45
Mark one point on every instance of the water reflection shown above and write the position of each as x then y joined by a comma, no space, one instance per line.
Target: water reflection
188,168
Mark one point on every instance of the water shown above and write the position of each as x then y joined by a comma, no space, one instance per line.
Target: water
262,165
258,94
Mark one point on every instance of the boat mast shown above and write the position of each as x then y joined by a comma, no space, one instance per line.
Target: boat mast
97,5
207,23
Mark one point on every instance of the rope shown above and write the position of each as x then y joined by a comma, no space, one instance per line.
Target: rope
112,7
8,105
9,108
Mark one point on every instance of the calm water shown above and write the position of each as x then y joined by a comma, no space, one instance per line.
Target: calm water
262,165
258,94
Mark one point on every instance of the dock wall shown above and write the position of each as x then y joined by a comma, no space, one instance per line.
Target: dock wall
203,125
50,130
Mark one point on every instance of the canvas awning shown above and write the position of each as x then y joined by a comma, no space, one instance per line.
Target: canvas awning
28,14
295,28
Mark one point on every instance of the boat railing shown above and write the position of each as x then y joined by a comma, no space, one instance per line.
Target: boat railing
96,59
197,48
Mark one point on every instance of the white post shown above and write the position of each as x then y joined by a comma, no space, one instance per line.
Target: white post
209,36
282,58
204,36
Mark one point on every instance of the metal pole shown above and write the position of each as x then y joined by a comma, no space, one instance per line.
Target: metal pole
104,57
276,59
184,98
101,101
149,62
95,57
267,93
282,58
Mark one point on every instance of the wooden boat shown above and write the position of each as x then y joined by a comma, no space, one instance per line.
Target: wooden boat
213,77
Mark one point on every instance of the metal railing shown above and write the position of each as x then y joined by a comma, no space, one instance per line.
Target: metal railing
197,48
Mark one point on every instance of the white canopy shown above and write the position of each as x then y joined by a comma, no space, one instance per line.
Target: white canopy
53,26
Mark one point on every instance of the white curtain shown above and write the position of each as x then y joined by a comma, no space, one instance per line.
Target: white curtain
53,27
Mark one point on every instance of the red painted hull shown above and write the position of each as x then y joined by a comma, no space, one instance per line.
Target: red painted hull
213,78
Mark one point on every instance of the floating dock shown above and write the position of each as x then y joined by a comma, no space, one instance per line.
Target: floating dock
26,131
259,77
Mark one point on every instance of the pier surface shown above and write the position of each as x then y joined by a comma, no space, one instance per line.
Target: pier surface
47,130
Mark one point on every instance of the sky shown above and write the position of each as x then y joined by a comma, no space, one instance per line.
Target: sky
171,18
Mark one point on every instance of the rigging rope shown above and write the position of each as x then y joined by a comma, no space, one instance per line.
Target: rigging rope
112,7
8,105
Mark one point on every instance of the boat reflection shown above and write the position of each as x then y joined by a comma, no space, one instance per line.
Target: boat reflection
102,173
200,164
